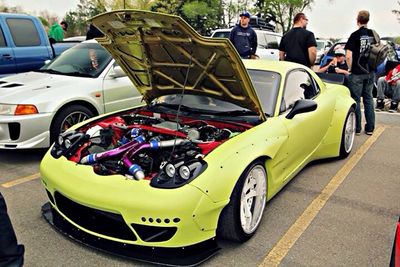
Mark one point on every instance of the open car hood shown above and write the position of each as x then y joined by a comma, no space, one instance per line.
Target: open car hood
158,51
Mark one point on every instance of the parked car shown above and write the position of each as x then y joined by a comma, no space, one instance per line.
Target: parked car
218,138
381,70
24,44
268,42
82,82
323,46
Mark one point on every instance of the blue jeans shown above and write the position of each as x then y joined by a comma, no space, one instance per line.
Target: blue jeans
361,85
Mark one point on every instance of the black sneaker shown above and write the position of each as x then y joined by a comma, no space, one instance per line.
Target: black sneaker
393,106
380,105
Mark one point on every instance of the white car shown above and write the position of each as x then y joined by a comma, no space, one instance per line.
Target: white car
82,82
322,48
268,42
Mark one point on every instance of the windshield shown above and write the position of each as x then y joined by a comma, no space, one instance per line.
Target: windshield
266,84
85,60
198,103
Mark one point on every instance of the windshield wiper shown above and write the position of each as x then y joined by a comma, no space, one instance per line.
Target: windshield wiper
176,107
236,113
74,73
77,73
51,71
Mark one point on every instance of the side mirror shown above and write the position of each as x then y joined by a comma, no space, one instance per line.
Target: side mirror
117,72
302,106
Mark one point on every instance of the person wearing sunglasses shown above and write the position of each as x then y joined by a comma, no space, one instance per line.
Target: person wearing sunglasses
298,44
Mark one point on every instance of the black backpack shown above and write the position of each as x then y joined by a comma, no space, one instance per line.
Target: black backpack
376,53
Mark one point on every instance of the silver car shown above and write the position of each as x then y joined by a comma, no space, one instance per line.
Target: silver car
82,82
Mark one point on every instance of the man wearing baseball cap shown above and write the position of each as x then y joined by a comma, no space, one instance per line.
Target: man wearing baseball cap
337,64
244,38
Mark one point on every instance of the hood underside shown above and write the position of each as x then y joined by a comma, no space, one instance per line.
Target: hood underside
163,55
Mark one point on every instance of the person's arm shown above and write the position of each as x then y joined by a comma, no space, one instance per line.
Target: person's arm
282,55
254,43
342,71
325,68
312,54
311,47
349,58
232,36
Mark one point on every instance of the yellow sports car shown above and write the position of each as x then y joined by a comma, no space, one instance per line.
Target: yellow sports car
217,138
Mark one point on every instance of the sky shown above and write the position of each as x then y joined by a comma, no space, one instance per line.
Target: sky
327,18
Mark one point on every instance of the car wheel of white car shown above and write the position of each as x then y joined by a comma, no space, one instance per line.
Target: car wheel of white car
240,219
67,117
349,129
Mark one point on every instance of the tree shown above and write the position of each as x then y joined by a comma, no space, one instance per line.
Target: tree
283,11
129,4
203,16
77,20
173,7
397,12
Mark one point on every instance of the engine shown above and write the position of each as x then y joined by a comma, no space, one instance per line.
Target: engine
144,146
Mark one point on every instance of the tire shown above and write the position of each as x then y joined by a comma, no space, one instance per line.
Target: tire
348,132
67,117
230,224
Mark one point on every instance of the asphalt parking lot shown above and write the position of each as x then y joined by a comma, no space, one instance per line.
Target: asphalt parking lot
334,213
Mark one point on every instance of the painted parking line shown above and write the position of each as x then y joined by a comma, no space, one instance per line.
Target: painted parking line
21,180
283,246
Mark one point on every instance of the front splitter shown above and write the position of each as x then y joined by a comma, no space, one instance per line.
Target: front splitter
183,256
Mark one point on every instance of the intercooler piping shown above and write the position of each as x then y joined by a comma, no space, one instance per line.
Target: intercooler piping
93,158
135,169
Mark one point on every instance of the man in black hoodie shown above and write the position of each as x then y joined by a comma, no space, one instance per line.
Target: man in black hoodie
244,38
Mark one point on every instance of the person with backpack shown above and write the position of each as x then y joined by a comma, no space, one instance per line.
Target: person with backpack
389,86
362,76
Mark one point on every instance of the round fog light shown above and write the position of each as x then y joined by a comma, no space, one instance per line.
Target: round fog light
184,172
170,170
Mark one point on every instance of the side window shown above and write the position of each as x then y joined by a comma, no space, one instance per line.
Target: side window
24,32
272,41
261,40
299,85
2,40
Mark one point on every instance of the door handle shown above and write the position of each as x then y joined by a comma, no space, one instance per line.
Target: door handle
7,56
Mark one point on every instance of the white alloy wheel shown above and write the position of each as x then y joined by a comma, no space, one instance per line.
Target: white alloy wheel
253,199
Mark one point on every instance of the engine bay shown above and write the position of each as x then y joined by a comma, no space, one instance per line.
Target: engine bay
147,145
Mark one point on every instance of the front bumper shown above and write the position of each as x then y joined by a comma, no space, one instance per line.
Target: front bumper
150,217
184,256
25,131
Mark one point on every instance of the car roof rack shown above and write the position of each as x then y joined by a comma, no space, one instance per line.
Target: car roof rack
261,23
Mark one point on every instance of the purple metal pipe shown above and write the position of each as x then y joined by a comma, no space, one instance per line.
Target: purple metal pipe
92,158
